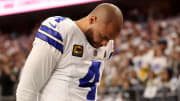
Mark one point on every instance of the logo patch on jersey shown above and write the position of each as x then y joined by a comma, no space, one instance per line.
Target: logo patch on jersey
77,50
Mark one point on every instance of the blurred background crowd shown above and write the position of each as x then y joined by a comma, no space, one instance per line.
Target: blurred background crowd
145,64
146,58
13,53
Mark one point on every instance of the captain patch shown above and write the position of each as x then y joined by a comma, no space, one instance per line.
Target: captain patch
77,50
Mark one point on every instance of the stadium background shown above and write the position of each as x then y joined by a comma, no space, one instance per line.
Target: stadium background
146,62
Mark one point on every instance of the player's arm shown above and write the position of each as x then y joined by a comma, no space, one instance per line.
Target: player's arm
44,56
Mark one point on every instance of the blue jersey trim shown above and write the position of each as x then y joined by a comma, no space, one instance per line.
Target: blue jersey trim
50,41
51,32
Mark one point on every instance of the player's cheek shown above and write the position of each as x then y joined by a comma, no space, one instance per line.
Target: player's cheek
96,37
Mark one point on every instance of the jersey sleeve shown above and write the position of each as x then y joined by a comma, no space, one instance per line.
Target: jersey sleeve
49,32
46,53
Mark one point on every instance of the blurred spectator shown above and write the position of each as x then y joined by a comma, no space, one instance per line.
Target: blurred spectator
167,80
7,81
159,61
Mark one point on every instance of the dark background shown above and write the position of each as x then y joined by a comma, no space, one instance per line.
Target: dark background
156,8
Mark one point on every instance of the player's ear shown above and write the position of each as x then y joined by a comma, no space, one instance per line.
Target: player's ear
92,19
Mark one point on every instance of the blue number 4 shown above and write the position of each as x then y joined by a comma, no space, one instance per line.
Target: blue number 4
58,19
90,80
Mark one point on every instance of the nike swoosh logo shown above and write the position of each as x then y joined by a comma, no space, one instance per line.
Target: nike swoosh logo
54,26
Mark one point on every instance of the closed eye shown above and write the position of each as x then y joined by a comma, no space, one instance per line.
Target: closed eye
106,38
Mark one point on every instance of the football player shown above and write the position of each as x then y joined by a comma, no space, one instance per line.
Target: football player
68,57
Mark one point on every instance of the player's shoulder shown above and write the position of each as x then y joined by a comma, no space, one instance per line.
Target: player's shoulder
54,22
54,32
50,34
54,19
62,24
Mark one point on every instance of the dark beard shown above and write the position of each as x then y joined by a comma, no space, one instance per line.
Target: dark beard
89,37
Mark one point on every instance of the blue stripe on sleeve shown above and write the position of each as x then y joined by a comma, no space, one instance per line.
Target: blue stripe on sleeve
50,41
51,31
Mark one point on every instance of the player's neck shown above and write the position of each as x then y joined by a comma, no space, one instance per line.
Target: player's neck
81,24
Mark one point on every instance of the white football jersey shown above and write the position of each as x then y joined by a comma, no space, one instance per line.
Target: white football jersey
62,65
